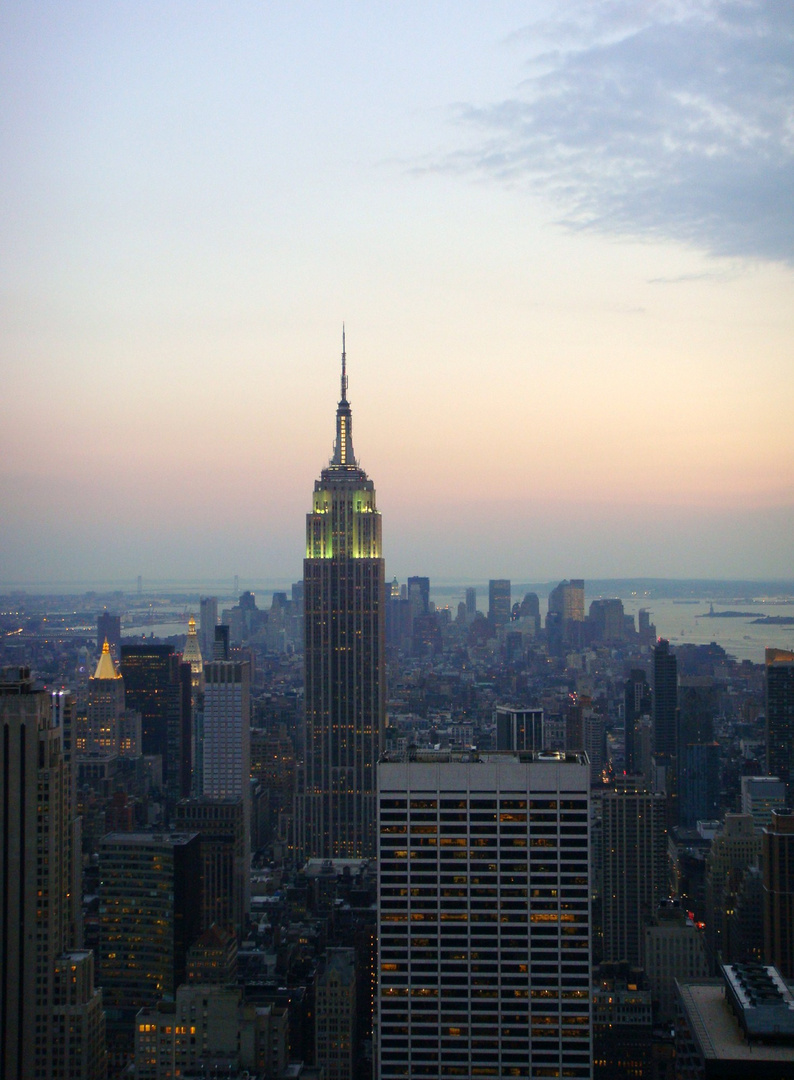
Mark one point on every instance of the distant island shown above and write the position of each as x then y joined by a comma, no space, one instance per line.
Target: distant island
712,614
775,620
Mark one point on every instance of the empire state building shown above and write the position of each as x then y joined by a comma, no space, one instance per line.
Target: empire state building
344,611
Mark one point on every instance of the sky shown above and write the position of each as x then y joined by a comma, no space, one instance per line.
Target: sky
560,236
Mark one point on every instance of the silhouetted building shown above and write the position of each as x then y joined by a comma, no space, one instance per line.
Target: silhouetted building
637,703
780,716
208,621
674,949
221,642
225,857
344,655
471,603
734,849
213,957
698,704
209,1031
499,602
634,833
760,796
158,686
150,915
335,1014
778,864
47,992
665,701
419,595
607,621
565,616
518,729
698,783
622,1024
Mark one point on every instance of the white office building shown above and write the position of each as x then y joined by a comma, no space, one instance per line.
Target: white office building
483,916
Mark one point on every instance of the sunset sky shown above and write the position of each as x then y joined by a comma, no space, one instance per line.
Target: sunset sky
560,235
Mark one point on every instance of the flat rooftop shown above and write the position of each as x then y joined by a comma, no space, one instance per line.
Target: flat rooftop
718,1032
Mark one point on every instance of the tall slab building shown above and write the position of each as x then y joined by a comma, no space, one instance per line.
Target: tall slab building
780,716
344,613
51,1019
484,916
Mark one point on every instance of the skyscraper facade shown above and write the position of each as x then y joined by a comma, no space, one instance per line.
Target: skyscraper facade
637,703
634,869
209,620
227,730
344,655
778,864
499,601
780,716
665,700
150,915
36,898
158,686
483,916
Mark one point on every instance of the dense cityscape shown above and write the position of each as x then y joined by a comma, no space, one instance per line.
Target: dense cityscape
358,832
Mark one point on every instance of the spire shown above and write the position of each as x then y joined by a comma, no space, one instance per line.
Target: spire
344,366
343,447
105,668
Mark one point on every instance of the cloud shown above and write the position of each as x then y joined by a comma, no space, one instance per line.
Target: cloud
660,120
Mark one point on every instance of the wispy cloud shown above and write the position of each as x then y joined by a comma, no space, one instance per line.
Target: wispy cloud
662,119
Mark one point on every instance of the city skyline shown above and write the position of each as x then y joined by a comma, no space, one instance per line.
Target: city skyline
562,246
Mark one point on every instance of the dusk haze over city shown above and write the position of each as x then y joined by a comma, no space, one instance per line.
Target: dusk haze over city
396,540
560,236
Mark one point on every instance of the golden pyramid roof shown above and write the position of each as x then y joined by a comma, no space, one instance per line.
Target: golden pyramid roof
105,668
192,653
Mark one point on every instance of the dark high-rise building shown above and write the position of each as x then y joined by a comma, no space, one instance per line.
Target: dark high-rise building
634,870
607,621
780,716
225,855
518,729
499,601
665,700
419,594
37,914
565,618
159,686
208,621
344,638
150,915
637,703
699,783
778,863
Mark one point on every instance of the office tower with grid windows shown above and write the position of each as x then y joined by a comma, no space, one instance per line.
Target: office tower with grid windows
344,656
634,834
483,915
